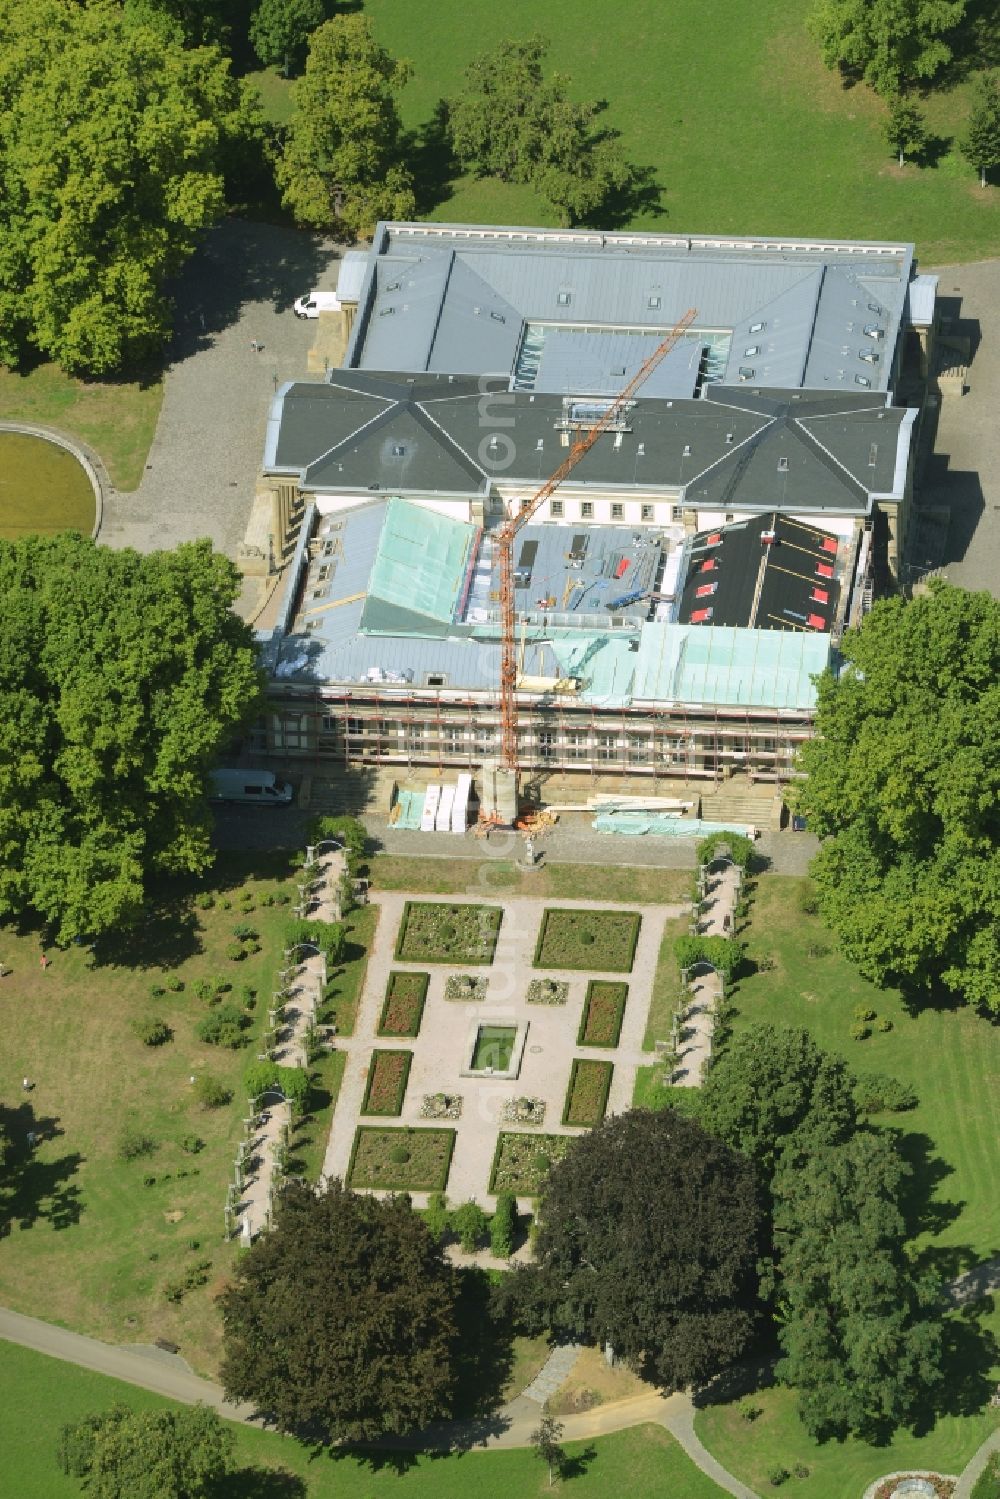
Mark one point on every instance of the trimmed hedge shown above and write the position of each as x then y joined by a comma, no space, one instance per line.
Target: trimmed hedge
388,1074
426,1170
740,849
603,1014
403,1006
587,1094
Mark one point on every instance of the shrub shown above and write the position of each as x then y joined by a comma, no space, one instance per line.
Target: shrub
157,991
247,995
436,1215
202,989
541,1162
800,1470
346,895
860,1031
808,900
253,946
206,902
503,1226
399,1155
877,1092
197,1275
224,1026
267,900
191,1144
777,1476
235,952
175,984
749,1411
281,897
884,1025
220,985
225,905
470,1223
210,1093
862,1012
346,830
152,1031
134,1142
765,964
244,932
817,950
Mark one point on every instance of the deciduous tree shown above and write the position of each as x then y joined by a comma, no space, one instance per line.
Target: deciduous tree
980,145
856,1324
343,1317
121,677
341,167
127,1454
891,44
280,29
112,138
905,129
772,1085
649,1242
512,122
904,788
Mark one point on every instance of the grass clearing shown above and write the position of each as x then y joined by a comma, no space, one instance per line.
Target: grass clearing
343,990
759,107
522,1162
438,933
587,1093
38,1395
90,1246
667,986
116,418
491,876
401,1160
604,941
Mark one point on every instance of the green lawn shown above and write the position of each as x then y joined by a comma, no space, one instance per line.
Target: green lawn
952,1139
745,128
116,418
575,938
91,1247
667,986
490,877
38,1394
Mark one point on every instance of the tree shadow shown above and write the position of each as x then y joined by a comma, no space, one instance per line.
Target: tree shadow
428,153
969,1355
923,1211
933,149
575,1465
485,1347
32,1189
641,193
260,1483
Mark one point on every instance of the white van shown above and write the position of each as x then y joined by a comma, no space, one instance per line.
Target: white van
315,302
258,788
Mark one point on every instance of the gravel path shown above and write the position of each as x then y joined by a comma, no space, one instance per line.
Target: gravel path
205,458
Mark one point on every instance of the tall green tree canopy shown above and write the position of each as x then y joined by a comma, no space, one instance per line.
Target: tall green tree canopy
342,167
980,145
904,788
891,44
112,137
121,678
856,1325
343,1317
649,1242
280,29
773,1085
511,121
170,1454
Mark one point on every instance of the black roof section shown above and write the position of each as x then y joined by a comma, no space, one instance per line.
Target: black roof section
767,573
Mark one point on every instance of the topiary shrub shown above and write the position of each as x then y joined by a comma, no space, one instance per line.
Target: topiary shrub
503,1226
152,1032
470,1223
244,932
541,1162
860,1031
863,1012
436,1215
399,1155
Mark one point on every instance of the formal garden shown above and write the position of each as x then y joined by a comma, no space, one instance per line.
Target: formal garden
402,1011
602,941
388,1072
441,933
393,1159
522,1162
587,1094
603,1013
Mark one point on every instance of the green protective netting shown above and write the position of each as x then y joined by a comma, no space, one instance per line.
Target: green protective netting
723,664
421,560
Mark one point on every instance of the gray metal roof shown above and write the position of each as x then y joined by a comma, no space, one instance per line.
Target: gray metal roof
457,299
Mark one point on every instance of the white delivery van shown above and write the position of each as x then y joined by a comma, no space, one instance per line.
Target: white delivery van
257,788
315,302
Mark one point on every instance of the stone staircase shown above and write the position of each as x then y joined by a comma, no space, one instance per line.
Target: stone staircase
738,802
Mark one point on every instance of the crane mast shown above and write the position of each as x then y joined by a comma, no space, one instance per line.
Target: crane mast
508,534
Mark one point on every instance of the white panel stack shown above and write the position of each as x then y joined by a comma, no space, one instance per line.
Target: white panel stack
442,823
460,810
429,814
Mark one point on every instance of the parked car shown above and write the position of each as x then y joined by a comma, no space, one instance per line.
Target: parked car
257,788
315,302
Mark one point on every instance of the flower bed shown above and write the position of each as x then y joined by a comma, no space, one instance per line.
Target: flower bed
435,932
463,987
401,1160
522,1162
587,1094
547,992
388,1072
603,941
943,1487
603,1013
403,1008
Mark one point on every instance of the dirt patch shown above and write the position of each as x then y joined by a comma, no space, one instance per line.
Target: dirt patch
594,1382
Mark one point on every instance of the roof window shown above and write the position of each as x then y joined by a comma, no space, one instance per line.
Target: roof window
730,436
816,622
870,356
701,616
862,380
654,303
873,455
757,327
872,330
782,465
687,450
399,450
498,317
564,298
753,349
394,286
705,590
746,373
386,311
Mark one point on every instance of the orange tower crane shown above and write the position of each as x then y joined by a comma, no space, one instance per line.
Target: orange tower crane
507,535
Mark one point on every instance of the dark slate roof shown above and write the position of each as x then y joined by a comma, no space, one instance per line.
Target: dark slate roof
734,448
770,585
